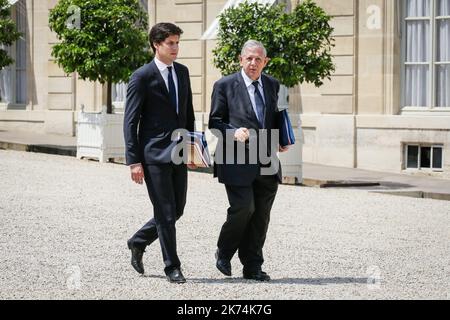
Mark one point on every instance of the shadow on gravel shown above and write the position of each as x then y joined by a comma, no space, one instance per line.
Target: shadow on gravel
153,276
320,281
201,280
70,151
304,281
307,281
388,185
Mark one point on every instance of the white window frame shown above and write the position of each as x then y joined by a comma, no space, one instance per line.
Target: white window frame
119,105
13,105
423,145
431,107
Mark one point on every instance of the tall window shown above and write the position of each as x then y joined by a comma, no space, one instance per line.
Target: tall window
21,53
427,53
119,90
13,79
5,80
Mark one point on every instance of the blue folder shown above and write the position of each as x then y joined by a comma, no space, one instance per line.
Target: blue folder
287,137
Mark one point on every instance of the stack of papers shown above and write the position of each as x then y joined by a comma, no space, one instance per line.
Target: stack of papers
198,153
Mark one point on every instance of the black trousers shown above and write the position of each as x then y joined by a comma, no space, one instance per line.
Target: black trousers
167,187
247,221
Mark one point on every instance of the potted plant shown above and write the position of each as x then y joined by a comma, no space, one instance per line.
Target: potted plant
104,41
298,44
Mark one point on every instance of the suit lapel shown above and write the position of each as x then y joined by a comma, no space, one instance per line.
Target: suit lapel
181,82
268,97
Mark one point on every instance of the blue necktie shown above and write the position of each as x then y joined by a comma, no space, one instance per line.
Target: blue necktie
259,104
172,91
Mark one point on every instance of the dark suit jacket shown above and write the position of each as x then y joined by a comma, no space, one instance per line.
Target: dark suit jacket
231,108
150,118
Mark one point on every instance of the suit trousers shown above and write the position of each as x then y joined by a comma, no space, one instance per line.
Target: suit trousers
247,221
167,187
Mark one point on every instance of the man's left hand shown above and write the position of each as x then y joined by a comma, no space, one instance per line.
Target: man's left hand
283,149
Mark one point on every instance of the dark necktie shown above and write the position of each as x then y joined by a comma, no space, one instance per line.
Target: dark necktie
172,91
259,104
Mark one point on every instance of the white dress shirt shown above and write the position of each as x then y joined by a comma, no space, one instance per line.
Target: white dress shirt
251,90
162,67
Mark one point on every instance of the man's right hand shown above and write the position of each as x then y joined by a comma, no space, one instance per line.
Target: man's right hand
137,173
241,134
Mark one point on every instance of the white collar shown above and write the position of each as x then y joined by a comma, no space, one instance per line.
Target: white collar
161,65
248,81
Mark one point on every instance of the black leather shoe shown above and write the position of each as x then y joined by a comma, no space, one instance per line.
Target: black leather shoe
136,257
175,276
258,276
223,265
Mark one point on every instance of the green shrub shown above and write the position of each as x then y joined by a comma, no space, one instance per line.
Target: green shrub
298,43
101,40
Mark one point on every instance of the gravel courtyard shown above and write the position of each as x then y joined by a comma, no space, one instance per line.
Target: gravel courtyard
65,222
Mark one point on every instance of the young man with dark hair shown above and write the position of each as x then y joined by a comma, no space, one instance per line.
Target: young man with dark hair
159,101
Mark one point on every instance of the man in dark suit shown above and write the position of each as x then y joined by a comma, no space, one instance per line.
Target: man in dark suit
242,103
159,101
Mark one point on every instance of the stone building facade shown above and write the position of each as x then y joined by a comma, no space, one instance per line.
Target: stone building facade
386,108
